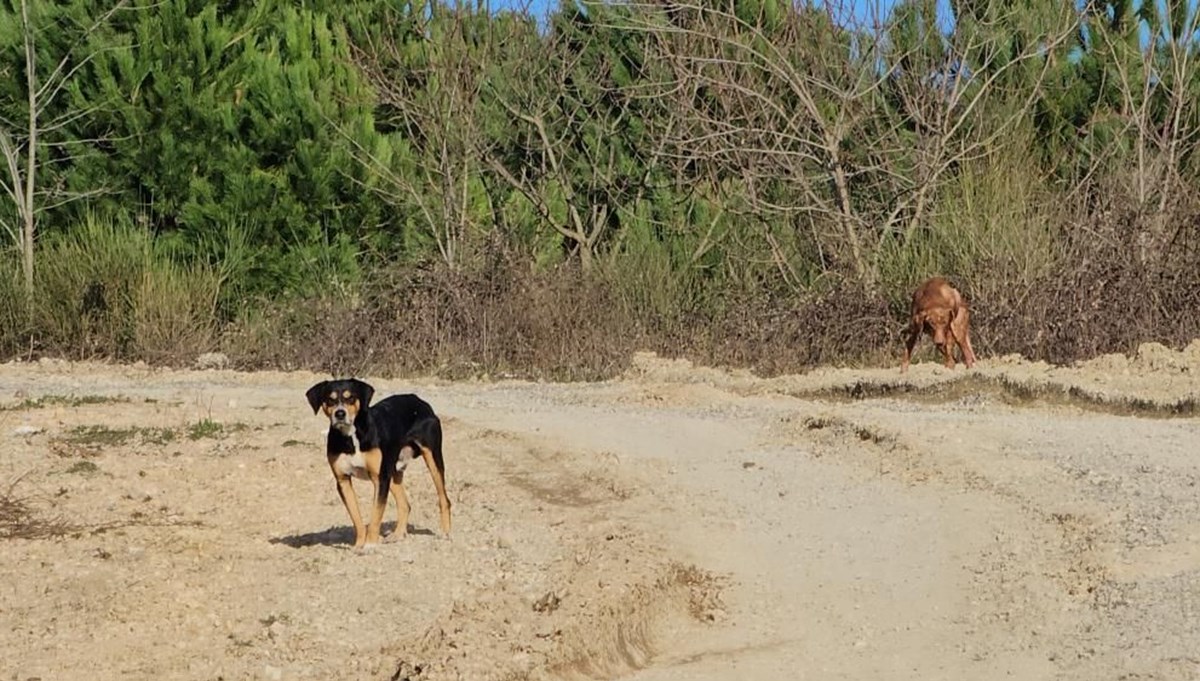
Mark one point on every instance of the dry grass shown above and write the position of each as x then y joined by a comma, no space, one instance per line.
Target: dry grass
1094,294
505,321
20,517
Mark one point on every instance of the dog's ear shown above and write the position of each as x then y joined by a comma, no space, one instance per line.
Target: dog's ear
364,390
316,395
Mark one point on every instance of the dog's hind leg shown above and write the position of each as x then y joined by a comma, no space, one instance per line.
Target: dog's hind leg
403,508
437,469
961,327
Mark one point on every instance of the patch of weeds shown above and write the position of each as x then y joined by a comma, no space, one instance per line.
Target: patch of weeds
158,436
293,443
207,427
821,422
83,468
61,401
840,425
19,520
88,441
99,436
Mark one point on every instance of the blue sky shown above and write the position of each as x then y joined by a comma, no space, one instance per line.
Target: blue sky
868,11
864,10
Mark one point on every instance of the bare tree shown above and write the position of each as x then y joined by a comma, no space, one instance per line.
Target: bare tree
570,149
831,124
1158,90
428,76
22,143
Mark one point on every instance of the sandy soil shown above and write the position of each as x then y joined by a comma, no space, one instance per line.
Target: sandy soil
1015,521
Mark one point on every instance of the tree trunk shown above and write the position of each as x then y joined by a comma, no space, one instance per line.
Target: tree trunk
29,222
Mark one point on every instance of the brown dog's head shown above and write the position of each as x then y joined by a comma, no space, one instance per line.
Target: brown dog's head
341,400
937,322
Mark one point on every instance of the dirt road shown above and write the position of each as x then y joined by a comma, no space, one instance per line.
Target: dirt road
1017,521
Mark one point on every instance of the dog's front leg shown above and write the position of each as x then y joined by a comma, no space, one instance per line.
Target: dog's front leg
948,350
380,474
345,490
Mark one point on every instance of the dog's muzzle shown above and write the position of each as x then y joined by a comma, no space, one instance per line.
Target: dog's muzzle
339,421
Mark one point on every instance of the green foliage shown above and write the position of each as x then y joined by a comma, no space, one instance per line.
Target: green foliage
204,157
237,120
990,230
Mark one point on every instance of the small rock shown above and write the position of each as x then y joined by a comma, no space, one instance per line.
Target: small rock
27,430
276,629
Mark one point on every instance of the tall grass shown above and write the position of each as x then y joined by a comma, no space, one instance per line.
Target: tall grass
993,226
105,289
14,317
1039,282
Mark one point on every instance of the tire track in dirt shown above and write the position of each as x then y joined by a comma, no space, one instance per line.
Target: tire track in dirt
1114,508
611,587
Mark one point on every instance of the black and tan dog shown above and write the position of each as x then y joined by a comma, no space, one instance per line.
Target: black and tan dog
389,435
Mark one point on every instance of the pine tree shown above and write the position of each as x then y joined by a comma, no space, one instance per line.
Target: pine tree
232,124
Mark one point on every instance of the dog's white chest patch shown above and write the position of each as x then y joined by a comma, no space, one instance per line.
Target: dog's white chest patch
353,465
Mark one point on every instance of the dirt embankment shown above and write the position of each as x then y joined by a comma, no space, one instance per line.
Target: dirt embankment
1016,521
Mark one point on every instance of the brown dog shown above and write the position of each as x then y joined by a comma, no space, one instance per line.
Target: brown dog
939,309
